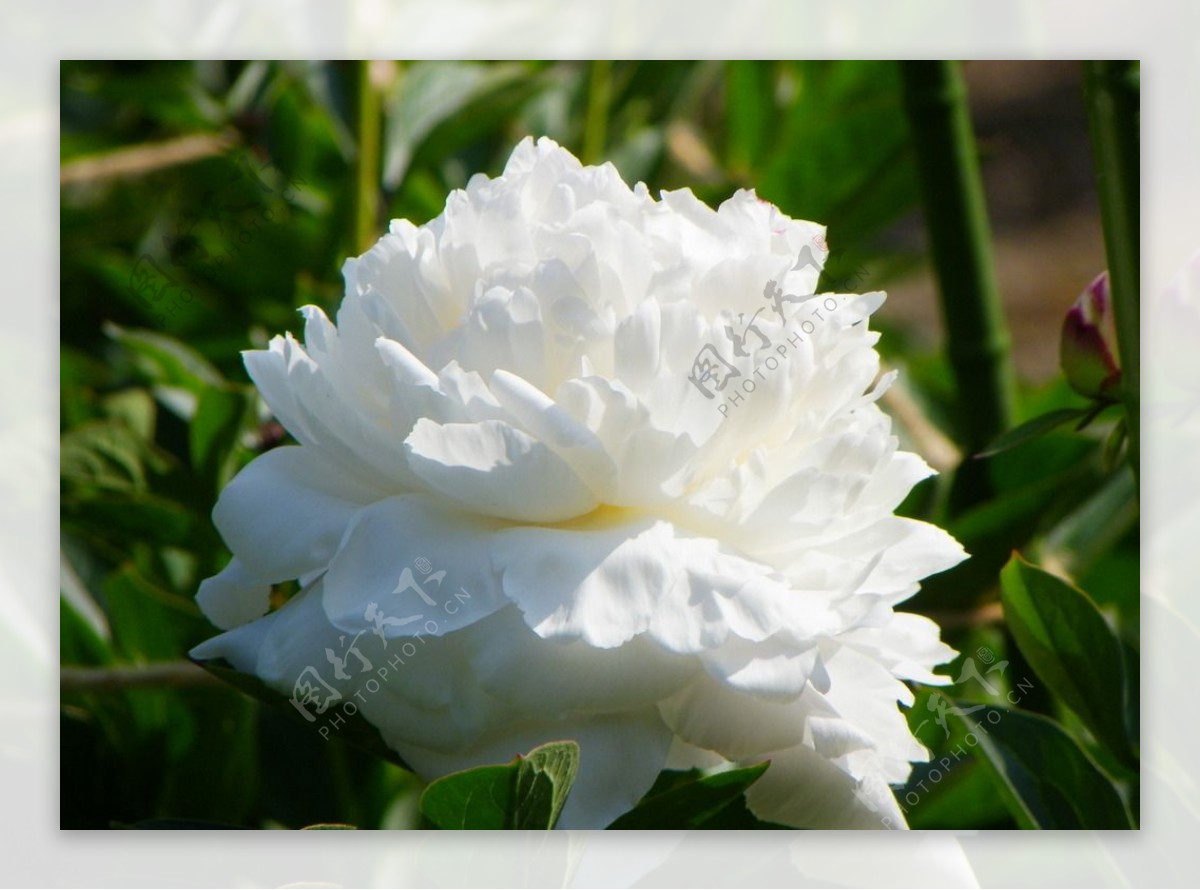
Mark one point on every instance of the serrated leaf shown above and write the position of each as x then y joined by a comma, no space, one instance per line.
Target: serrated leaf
1047,780
691,802
1071,648
1033,429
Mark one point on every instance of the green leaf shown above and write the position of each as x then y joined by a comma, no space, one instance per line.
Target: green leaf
544,779
1047,780
691,802
144,518
1043,480
429,93
1069,645
213,436
840,151
1095,528
133,407
961,797
478,799
1033,429
149,623
1114,445
166,361
106,455
528,793
79,643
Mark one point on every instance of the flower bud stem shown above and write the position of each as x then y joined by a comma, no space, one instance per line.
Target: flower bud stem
1111,91
977,340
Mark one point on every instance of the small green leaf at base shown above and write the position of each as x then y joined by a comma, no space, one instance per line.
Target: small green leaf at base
692,801
527,793
543,780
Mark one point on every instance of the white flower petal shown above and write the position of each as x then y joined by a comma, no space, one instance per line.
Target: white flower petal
803,789
601,586
773,669
711,715
555,677
284,513
416,562
494,469
234,596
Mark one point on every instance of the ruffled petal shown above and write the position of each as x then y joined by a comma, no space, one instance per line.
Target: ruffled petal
601,586
284,513
804,790
408,566
493,469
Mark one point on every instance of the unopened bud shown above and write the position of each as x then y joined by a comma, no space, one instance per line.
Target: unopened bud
1088,345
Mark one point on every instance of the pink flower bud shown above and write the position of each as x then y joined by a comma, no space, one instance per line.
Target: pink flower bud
1088,345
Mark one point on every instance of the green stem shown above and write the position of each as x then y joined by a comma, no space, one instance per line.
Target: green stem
366,165
595,125
1111,90
977,341
344,786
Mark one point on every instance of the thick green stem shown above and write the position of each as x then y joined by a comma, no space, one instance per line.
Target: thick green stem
595,124
366,165
1111,89
977,341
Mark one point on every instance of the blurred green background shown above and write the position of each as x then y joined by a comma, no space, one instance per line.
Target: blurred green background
203,202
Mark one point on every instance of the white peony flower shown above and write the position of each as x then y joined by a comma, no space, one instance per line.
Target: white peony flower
579,463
